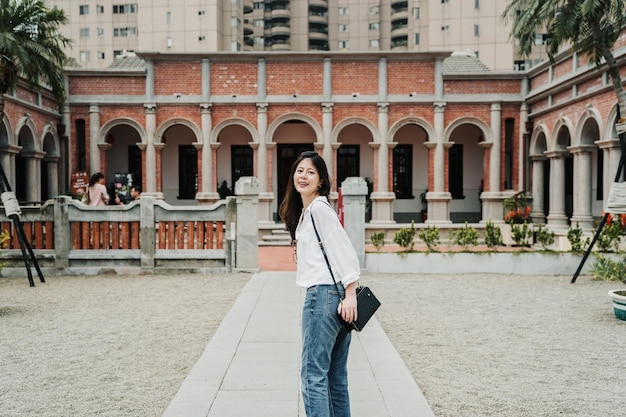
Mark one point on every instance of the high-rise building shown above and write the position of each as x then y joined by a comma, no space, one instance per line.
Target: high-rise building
104,29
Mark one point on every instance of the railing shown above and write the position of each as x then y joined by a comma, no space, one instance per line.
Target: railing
146,235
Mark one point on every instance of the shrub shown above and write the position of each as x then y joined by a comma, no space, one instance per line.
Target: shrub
430,236
465,236
609,237
4,238
545,236
607,269
493,235
378,240
575,237
521,233
404,237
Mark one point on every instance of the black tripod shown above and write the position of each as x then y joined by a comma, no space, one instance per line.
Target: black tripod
12,209
618,176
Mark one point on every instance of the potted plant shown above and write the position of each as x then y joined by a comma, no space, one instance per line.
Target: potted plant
608,269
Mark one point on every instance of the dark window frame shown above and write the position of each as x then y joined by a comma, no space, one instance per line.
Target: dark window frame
455,171
348,162
187,172
402,172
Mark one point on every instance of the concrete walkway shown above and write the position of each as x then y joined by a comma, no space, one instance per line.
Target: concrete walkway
251,366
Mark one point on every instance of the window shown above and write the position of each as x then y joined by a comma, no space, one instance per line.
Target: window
100,31
259,23
455,171
187,171
509,126
477,4
81,148
83,9
124,32
344,44
258,40
124,8
84,32
100,55
445,1
201,12
416,38
374,43
445,28
344,28
416,12
100,9
241,162
374,26
599,175
374,9
541,39
344,11
84,56
235,46
258,5
169,42
347,162
168,17
519,65
476,30
202,38
403,171
235,22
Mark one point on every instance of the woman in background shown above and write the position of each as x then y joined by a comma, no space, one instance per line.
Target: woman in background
325,340
98,195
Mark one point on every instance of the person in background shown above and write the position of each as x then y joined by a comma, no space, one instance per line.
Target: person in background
325,340
135,192
98,195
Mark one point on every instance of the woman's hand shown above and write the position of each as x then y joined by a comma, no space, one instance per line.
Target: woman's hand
347,308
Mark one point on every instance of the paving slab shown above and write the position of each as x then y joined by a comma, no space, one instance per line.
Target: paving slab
251,366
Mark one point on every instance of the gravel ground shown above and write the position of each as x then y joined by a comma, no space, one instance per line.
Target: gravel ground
477,345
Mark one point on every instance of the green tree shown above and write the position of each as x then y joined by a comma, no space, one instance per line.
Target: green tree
31,47
588,27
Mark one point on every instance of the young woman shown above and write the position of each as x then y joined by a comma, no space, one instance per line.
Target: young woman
98,195
325,341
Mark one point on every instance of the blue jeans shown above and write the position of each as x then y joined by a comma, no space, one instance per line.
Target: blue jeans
325,346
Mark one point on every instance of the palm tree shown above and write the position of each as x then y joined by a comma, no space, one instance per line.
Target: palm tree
31,47
589,27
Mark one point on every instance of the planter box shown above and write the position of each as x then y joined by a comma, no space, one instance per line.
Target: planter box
517,263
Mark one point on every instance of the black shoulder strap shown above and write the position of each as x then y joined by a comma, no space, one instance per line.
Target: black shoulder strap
319,240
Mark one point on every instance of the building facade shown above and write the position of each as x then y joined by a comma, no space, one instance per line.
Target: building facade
104,29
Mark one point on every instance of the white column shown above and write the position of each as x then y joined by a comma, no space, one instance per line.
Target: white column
438,199
52,168
94,128
522,183
582,186
495,154
556,215
439,155
382,198
32,161
151,171
537,212
327,130
207,194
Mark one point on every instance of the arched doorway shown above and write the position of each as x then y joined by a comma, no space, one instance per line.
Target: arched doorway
123,157
26,167
179,162
235,158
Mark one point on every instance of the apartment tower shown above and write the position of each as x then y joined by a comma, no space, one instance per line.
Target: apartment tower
104,29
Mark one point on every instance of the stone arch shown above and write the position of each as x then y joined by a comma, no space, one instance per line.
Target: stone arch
589,123
177,121
7,137
317,129
484,127
50,141
27,139
430,131
355,120
235,121
539,140
557,141
106,128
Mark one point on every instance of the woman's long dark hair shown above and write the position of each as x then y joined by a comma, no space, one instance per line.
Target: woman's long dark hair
291,206
95,177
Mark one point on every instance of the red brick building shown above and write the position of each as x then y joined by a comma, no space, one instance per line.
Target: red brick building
414,124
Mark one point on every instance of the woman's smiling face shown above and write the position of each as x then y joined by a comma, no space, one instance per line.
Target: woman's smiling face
306,179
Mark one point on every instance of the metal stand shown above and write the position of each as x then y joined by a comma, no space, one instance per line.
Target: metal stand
12,208
620,167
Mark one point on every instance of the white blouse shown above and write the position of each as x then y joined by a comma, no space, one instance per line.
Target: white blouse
312,268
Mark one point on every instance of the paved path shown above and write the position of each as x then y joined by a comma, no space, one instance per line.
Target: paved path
251,366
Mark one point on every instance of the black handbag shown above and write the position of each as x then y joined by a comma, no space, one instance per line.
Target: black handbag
367,303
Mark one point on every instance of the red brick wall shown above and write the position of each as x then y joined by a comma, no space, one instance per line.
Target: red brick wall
407,77
183,78
130,86
540,79
277,110
355,77
233,78
221,112
401,111
165,113
288,78
363,111
482,87
563,68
